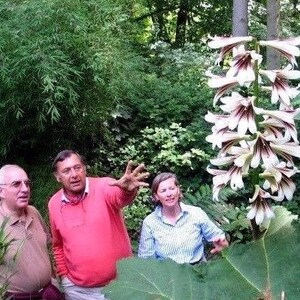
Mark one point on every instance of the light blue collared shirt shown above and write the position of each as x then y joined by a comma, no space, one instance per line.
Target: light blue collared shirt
182,241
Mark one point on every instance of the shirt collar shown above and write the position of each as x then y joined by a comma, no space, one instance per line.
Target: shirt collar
13,219
86,191
184,210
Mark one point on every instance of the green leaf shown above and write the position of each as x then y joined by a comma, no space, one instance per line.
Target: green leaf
264,269
152,279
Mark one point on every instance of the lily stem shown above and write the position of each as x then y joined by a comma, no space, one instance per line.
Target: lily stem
256,232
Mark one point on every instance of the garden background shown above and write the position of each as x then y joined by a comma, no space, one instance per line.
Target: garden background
119,80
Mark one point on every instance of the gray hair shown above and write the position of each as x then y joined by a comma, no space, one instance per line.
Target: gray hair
4,169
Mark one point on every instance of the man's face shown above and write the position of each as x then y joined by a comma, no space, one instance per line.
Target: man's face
15,190
71,173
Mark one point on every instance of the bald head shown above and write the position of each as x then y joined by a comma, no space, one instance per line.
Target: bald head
7,169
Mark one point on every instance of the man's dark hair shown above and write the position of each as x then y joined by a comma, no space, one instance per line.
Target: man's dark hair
62,155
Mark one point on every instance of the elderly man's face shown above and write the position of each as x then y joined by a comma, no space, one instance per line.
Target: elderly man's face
15,190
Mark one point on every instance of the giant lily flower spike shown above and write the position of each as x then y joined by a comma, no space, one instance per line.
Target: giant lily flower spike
278,179
242,157
286,47
223,84
224,139
286,189
286,150
253,141
260,208
220,121
274,128
241,113
242,65
227,44
282,120
219,181
222,177
280,88
262,151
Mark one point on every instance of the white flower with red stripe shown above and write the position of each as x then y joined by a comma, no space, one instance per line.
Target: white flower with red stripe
253,141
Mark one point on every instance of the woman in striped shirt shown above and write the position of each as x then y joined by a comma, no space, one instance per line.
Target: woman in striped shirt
175,230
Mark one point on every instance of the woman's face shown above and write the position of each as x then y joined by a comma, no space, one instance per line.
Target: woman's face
168,193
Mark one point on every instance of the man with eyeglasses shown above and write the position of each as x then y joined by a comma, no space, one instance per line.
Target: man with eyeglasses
88,231
26,268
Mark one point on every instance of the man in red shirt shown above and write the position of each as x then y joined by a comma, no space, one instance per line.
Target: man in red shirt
88,231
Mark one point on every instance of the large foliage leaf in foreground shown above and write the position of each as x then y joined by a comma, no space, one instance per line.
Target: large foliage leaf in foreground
264,269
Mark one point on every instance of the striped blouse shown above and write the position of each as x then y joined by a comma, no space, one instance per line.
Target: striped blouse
182,241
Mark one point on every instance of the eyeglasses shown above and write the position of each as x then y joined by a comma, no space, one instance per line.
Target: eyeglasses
17,184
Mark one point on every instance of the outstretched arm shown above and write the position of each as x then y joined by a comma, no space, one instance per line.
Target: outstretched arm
132,178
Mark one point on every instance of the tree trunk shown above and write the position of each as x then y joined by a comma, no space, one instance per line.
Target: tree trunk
295,3
273,13
159,21
240,18
182,19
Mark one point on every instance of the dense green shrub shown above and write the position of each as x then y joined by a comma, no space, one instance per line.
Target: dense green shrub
173,148
135,214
